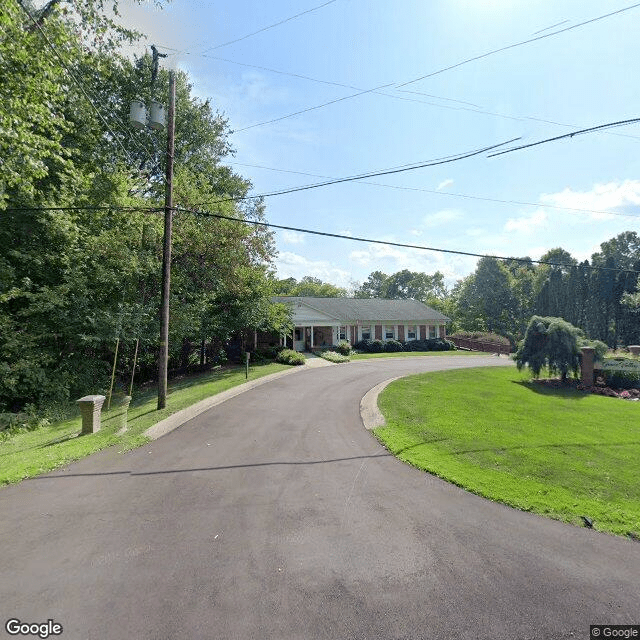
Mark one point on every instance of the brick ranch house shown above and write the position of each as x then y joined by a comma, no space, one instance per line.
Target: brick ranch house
324,322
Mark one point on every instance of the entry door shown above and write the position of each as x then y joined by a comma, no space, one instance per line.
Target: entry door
298,342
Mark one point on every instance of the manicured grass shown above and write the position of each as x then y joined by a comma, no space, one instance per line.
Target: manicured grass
30,453
412,354
557,452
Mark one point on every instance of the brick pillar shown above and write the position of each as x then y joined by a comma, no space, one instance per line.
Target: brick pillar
587,366
90,407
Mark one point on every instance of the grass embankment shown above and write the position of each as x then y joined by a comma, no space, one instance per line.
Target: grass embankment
557,452
30,453
412,354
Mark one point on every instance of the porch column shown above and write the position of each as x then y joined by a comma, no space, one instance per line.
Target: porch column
293,339
311,337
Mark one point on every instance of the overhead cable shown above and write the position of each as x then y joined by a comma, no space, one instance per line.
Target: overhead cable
429,163
271,26
443,70
393,244
609,125
519,44
208,214
446,193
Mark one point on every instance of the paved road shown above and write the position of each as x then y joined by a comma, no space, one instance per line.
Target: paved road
276,515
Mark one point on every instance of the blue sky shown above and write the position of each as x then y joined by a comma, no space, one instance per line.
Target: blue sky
582,77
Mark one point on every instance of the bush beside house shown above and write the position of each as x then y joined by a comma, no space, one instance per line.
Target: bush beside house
390,346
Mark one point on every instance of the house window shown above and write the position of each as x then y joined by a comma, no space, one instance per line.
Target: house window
342,333
411,332
298,333
389,333
366,333
433,332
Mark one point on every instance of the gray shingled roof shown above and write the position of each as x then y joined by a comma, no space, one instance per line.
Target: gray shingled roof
368,309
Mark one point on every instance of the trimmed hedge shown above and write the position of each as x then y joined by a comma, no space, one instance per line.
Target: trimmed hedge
431,344
370,346
621,379
392,346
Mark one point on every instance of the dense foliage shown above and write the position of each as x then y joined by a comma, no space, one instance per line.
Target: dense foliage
551,343
75,279
500,296
390,346
289,356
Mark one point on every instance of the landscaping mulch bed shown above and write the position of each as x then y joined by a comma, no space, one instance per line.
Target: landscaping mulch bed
598,388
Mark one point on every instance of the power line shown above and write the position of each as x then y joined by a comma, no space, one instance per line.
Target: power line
342,84
447,193
484,55
456,158
208,214
429,163
319,106
271,26
393,244
519,44
467,106
557,24
620,123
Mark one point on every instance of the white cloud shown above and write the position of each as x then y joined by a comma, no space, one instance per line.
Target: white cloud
441,218
415,232
444,184
526,224
294,265
292,237
393,259
600,199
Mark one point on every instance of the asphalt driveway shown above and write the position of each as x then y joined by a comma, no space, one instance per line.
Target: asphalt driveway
277,515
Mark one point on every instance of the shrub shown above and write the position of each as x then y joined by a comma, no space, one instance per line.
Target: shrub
332,356
344,348
392,346
621,379
431,344
600,347
370,346
289,356
550,342
269,353
482,336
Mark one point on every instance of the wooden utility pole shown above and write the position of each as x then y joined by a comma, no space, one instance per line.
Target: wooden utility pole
163,358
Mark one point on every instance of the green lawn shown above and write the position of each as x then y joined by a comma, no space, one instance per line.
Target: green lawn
560,453
411,354
30,453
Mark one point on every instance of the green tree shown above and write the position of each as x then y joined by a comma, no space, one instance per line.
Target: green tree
375,286
308,286
551,343
486,301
